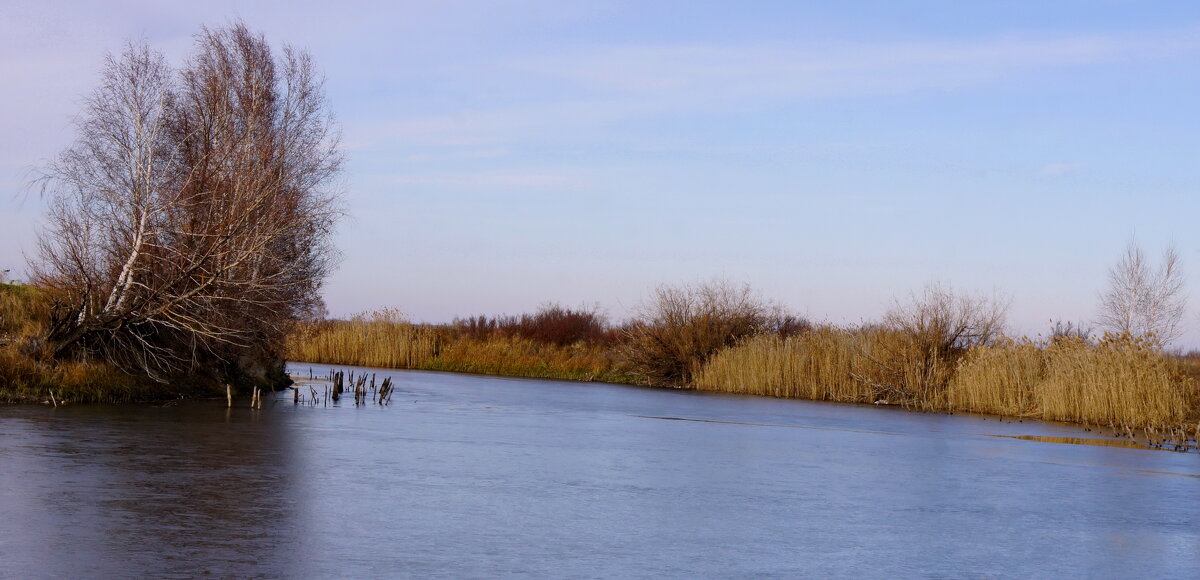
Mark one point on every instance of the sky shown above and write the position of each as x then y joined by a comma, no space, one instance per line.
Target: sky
834,156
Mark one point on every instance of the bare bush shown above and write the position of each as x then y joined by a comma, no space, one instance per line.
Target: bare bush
191,218
1067,330
682,326
551,324
912,356
949,320
1143,301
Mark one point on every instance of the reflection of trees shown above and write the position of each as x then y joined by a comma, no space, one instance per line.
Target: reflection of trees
147,492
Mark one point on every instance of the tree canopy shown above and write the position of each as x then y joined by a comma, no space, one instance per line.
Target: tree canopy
191,219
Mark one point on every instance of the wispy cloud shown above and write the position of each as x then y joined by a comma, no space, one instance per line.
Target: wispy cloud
598,85
839,69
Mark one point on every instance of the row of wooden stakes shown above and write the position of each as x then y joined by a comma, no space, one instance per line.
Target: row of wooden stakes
363,385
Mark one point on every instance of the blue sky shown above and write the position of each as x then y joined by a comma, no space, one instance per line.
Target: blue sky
833,155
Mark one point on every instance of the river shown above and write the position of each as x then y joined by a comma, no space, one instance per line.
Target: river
477,477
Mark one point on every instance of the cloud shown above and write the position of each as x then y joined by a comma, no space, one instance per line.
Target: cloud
837,69
602,84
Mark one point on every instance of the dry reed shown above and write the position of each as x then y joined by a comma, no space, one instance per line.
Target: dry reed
385,339
1118,381
379,339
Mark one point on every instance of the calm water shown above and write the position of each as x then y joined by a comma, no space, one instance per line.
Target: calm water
477,477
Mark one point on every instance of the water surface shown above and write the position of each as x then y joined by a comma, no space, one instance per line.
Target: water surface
474,477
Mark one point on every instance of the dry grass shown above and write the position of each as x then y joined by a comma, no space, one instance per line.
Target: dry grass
385,339
23,312
1118,381
999,379
863,365
527,358
379,339
27,375
816,365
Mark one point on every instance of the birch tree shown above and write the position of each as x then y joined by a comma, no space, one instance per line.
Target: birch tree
1142,300
191,219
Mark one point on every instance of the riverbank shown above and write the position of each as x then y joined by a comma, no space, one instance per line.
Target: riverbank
1120,383
30,374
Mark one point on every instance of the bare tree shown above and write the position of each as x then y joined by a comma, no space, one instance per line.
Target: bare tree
192,217
1142,300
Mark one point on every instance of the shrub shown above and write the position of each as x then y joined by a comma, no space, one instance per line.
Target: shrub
682,326
912,357
551,324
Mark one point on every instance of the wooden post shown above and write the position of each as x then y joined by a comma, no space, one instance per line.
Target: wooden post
229,395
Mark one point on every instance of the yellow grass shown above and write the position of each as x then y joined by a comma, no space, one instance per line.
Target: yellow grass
1118,381
377,341
384,339
526,358
1000,379
816,365
27,375
832,364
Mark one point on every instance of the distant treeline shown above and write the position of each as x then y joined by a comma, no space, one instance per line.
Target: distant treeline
941,351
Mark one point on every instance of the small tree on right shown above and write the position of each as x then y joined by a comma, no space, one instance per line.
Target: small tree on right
1142,300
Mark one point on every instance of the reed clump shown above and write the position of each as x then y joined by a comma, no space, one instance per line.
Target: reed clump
383,338
1120,380
999,379
873,364
1117,381
816,365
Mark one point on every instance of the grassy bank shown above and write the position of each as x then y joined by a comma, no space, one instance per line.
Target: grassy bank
25,373
28,374
1124,383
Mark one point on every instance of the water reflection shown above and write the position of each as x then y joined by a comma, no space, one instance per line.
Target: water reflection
183,490
1102,442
